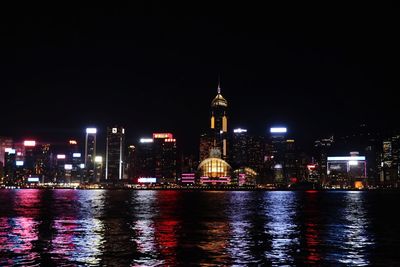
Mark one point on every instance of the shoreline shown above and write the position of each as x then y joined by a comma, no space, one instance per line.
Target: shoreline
207,189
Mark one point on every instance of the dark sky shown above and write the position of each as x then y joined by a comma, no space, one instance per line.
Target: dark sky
154,67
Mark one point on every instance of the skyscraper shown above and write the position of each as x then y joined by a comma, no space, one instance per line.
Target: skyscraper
219,123
115,145
206,143
130,162
157,158
5,143
90,154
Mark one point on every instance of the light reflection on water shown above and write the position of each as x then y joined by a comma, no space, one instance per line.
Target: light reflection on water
281,227
167,228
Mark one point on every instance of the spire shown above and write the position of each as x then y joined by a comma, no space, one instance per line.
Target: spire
219,84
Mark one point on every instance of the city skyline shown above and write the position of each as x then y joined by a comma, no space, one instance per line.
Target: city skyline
151,69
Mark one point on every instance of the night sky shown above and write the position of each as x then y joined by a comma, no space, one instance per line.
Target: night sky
315,68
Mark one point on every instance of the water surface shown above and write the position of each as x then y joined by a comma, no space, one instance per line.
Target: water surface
150,228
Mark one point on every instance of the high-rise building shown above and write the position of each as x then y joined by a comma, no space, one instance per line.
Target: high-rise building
145,160
219,123
5,143
290,162
206,144
213,168
90,154
157,158
115,154
130,162
277,154
74,159
390,165
99,169
239,148
347,171
322,148
9,165
43,163
166,157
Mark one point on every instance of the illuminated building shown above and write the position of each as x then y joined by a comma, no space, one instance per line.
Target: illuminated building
214,170
59,169
206,144
157,157
245,176
370,143
165,157
130,162
347,171
75,159
145,160
246,152
276,154
99,168
5,142
390,165
219,123
290,162
115,156
90,154
43,163
9,165
213,167
239,151
322,148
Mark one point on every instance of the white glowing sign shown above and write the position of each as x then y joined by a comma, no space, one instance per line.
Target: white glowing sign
61,156
147,180
91,130
98,159
68,166
82,165
278,130
146,140
347,158
29,143
240,130
33,179
19,163
9,150
76,155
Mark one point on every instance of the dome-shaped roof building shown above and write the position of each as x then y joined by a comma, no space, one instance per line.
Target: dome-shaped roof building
214,168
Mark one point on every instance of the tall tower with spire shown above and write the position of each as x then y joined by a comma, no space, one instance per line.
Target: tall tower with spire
219,122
